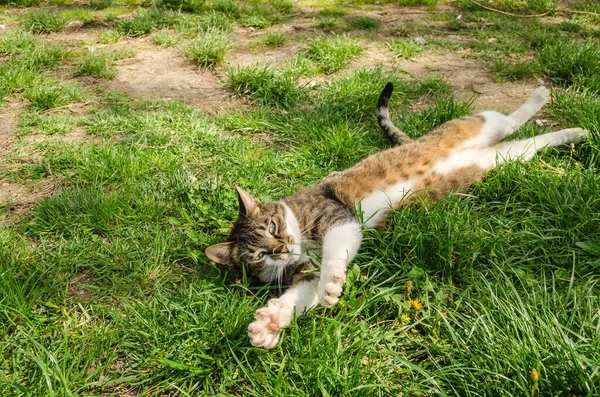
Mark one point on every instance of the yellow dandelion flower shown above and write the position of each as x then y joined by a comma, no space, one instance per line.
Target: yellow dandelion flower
535,376
405,317
415,304
238,281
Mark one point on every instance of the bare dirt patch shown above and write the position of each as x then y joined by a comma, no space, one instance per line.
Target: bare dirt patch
393,16
78,287
73,36
469,79
247,51
78,135
164,73
8,125
19,198
7,25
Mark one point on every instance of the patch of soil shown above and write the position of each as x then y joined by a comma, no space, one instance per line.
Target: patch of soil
77,287
245,52
469,79
8,125
78,135
6,26
18,198
72,36
393,16
164,73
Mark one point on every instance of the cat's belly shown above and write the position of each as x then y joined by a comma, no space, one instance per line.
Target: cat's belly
377,204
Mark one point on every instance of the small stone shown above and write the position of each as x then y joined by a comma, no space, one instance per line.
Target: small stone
2,27
540,81
491,39
452,36
539,122
421,41
459,17
75,25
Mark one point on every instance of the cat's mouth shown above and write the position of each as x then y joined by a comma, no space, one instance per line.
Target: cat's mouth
285,253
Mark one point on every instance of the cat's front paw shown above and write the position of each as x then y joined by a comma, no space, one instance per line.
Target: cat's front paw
264,331
330,289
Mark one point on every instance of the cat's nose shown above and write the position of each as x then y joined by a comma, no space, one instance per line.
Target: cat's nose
281,249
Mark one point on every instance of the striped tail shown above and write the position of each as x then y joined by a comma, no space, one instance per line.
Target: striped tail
396,136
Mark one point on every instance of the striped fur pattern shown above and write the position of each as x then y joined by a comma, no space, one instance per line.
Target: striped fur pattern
279,242
395,136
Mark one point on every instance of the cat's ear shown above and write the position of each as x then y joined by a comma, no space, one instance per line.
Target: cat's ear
248,204
220,253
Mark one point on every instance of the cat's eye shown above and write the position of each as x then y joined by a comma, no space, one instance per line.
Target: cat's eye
260,255
272,227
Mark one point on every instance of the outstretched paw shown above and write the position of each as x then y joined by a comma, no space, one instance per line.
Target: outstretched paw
540,95
578,134
330,289
264,331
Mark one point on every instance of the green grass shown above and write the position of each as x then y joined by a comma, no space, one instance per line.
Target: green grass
44,22
263,14
333,11
273,39
99,66
209,48
211,20
183,5
104,286
26,60
523,6
33,122
110,37
52,94
405,48
362,22
333,53
515,70
571,62
145,22
265,85
165,39
21,3
327,24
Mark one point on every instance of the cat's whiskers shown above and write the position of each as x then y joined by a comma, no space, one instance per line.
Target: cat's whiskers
325,220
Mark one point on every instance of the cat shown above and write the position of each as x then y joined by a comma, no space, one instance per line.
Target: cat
274,241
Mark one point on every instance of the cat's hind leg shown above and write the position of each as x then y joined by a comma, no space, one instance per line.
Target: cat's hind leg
268,321
497,126
525,149
340,245
538,98
490,157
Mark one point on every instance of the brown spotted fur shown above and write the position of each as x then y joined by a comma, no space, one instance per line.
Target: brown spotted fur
319,207
412,161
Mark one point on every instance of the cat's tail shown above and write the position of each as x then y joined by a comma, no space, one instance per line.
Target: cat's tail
396,136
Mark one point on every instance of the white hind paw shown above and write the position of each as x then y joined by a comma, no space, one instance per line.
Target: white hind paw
540,95
576,134
265,330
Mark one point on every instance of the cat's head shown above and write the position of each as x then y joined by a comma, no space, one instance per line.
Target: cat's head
265,238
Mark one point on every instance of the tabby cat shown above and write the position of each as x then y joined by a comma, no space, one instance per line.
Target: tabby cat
275,241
